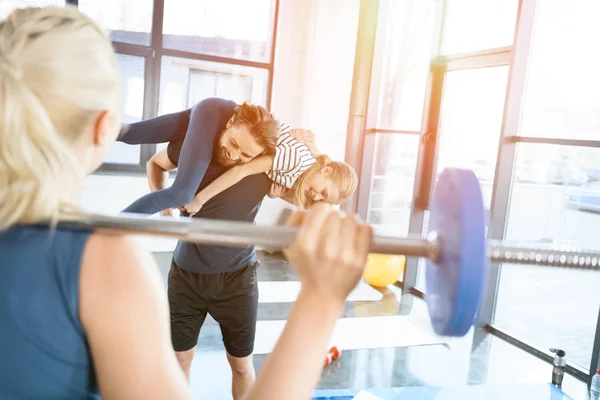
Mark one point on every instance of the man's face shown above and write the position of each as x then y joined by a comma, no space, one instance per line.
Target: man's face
236,145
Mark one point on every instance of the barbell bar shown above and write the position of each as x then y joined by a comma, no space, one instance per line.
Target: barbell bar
455,247
233,233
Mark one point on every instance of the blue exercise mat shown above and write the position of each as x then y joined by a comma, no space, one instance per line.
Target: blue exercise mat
475,392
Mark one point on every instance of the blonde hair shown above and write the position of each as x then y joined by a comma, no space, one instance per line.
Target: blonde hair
342,174
57,71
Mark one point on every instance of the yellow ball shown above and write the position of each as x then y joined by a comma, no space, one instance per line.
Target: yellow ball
383,269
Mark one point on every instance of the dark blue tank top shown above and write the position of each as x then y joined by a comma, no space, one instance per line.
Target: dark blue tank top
43,348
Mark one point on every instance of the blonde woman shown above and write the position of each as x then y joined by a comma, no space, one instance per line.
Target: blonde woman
84,313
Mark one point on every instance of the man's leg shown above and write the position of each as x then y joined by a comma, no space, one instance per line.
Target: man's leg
242,374
188,313
235,309
185,359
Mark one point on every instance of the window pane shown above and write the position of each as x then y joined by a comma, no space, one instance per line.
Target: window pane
555,198
562,96
132,72
129,21
239,29
408,45
471,120
472,110
185,82
472,25
7,6
421,272
390,197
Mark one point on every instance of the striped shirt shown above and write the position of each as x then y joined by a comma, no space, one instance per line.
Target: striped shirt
291,160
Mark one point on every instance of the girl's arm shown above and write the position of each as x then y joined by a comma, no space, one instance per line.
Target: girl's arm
289,197
229,178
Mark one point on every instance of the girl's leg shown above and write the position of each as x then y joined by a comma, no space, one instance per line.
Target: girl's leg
161,129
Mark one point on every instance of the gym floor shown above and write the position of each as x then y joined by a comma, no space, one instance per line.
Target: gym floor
476,359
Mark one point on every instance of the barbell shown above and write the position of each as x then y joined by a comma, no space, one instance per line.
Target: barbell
455,247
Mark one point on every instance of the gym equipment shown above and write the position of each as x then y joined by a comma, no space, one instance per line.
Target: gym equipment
383,269
455,246
333,354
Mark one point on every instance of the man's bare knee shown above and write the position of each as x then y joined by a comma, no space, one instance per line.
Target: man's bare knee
241,366
185,359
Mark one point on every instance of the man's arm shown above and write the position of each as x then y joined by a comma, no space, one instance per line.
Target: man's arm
228,179
158,169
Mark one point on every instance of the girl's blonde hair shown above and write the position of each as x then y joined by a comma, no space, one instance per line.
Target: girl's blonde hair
57,71
342,175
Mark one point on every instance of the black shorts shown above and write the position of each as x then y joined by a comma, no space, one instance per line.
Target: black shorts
231,298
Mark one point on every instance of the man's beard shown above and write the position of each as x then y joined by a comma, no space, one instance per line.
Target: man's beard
220,156
220,152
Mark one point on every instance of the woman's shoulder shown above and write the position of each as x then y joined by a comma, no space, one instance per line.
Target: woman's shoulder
109,245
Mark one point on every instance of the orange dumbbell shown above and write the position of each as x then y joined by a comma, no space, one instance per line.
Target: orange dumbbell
333,354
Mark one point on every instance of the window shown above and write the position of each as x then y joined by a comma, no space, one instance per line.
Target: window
185,82
469,131
472,25
179,61
422,269
562,95
406,41
471,119
409,41
555,198
132,71
206,83
390,195
129,21
7,6
239,29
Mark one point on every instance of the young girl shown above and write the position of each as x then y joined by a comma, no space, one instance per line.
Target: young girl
308,179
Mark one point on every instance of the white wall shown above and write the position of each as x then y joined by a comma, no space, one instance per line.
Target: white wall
314,61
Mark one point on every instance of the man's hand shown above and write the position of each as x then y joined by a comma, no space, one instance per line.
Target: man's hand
170,211
167,213
307,138
277,190
193,207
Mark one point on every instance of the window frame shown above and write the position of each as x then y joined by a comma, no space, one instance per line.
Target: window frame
153,55
516,57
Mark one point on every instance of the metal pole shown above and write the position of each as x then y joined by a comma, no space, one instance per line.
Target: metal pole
595,364
513,110
359,97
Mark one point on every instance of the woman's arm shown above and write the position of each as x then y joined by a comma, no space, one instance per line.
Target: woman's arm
125,315
228,179
329,255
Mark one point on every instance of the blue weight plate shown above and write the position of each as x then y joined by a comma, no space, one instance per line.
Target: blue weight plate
455,284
